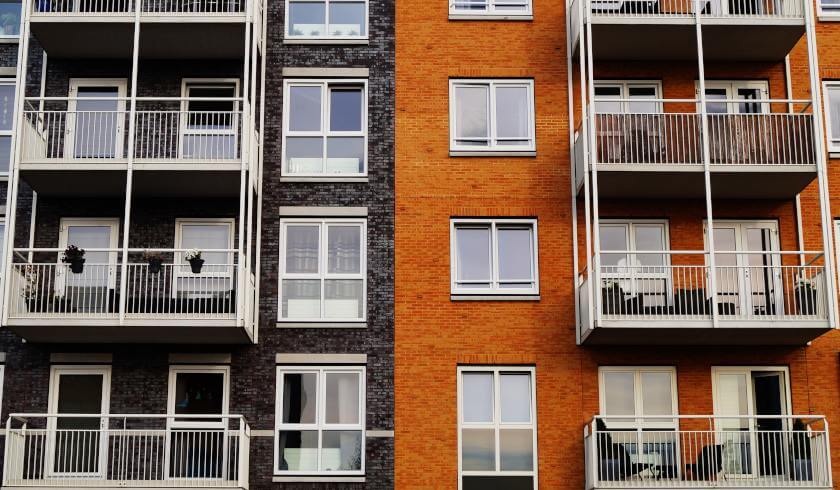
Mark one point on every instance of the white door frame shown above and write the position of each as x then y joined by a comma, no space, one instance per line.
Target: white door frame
186,85
731,87
64,224
55,374
178,258
70,124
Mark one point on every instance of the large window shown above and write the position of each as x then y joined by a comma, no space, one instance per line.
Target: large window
494,256
214,238
325,128
497,422
9,18
320,418
210,124
492,115
7,111
829,7
630,268
832,113
333,20
633,97
198,390
323,269
490,8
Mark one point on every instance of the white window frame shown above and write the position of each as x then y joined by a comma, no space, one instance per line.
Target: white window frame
70,129
497,423
490,9
178,257
189,83
828,14
9,132
624,87
324,133
64,224
638,410
322,274
632,274
320,424
174,371
492,147
326,37
833,145
731,87
494,289
20,24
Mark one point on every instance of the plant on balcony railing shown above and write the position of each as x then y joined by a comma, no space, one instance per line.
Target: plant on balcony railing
193,256
74,256
806,297
155,261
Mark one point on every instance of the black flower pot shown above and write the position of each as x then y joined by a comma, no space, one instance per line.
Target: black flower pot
196,265
155,265
77,266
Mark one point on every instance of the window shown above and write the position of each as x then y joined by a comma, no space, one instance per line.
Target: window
326,19
325,128
627,274
492,115
214,238
323,269
7,110
494,256
497,422
633,97
829,7
490,8
320,418
198,390
746,91
832,113
209,127
10,18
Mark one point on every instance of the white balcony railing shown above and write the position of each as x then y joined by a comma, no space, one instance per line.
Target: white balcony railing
708,452
128,451
673,285
46,288
125,7
773,139
751,9
166,131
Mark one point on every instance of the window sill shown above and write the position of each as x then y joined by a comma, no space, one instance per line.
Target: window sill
9,40
325,179
523,17
823,17
462,153
326,41
494,297
831,154
318,479
321,325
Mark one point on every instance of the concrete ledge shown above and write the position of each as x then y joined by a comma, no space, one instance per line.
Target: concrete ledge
8,71
490,17
80,358
2,357
190,358
327,41
321,358
321,325
492,153
494,297
321,211
379,433
834,154
305,72
319,180
318,479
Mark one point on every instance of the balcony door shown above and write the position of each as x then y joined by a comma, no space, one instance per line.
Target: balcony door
750,446
748,275
210,121
77,446
91,290
628,121
737,132
96,117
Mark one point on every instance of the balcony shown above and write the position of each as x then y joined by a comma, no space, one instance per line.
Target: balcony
175,150
660,155
707,452
760,299
126,451
167,302
665,29
187,29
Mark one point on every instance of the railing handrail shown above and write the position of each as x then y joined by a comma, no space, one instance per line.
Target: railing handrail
708,101
704,252
130,250
139,99
26,417
707,417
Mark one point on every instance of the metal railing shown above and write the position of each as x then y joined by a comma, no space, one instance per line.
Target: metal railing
168,288
753,9
675,138
125,7
132,451
675,285
707,452
166,131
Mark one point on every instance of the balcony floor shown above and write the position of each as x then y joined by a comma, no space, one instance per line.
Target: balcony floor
701,332
145,331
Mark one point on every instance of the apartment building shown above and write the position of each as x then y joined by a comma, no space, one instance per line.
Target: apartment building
640,292
226,168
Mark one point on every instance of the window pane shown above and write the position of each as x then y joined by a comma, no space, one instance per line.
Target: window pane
607,106
199,393
498,483
10,17
305,107
471,115
5,153
343,298
473,255
833,94
300,392
342,450
650,238
297,450
347,19
342,403
346,109
302,245
7,104
515,394
516,449
656,394
478,449
304,155
477,397
613,238
301,298
515,255
639,104
345,155
618,394
207,236
513,117
344,246
307,19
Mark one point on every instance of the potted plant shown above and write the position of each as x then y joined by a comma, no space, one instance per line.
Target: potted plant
74,256
806,297
193,256
155,261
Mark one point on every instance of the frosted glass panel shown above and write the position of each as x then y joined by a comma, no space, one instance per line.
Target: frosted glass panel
515,391
477,397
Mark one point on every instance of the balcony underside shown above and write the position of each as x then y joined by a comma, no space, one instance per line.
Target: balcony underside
614,38
686,181
146,331
112,37
149,180
701,332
